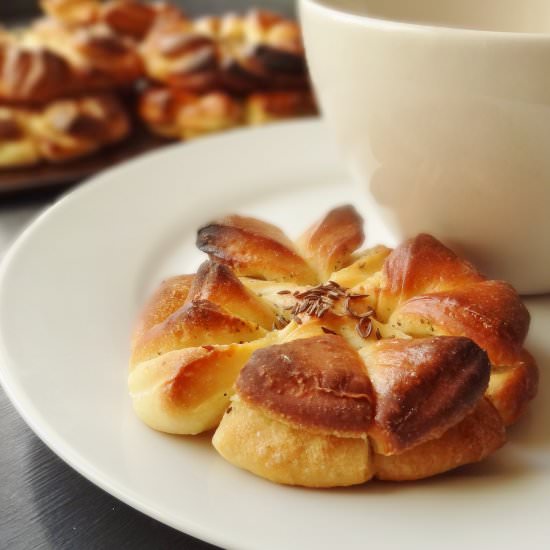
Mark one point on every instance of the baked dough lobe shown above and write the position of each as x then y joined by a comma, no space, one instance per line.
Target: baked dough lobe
255,249
317,383
282,453
187,390
329,244
60,131
476,437
423,387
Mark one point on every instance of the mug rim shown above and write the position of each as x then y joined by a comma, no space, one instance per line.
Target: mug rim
407,26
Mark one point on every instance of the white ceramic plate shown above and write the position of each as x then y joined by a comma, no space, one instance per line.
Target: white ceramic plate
72,285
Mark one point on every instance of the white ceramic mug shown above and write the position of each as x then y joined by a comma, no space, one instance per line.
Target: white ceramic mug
442,111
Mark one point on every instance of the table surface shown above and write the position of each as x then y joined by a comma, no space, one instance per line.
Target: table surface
43,502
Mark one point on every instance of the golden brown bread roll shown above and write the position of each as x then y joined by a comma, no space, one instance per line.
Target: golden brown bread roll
73,128
346,366
264,107
60,131
17,146
49,61
177,113
127,17
72,12
96,51
257,51
174,54
33,74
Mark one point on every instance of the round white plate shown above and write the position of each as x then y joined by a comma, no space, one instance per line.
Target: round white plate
72,285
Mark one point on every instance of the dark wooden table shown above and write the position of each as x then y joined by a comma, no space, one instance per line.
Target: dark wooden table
44,504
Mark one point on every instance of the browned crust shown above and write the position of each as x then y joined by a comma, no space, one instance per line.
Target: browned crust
95,118
11,128
489,312
197,323
212,112
512,387
421,265
253,248
160,108
315,383
239,54
422,387
129,17
266,106
62,130
216,283
263,68
71,128
167,299
109,54
329,243
66,62
177,113
176,55
480,434
35,75
268,55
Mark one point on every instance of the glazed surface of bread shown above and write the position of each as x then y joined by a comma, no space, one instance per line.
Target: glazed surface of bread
50,60
126,17
322,366
176,113
240,54
62,130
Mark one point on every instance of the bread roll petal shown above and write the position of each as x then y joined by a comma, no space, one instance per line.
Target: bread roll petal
511,388
329,243
216,283
284,454
255,249
418,266
167,299
422,387
187,391
195,324
317,384
489,312
477,436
